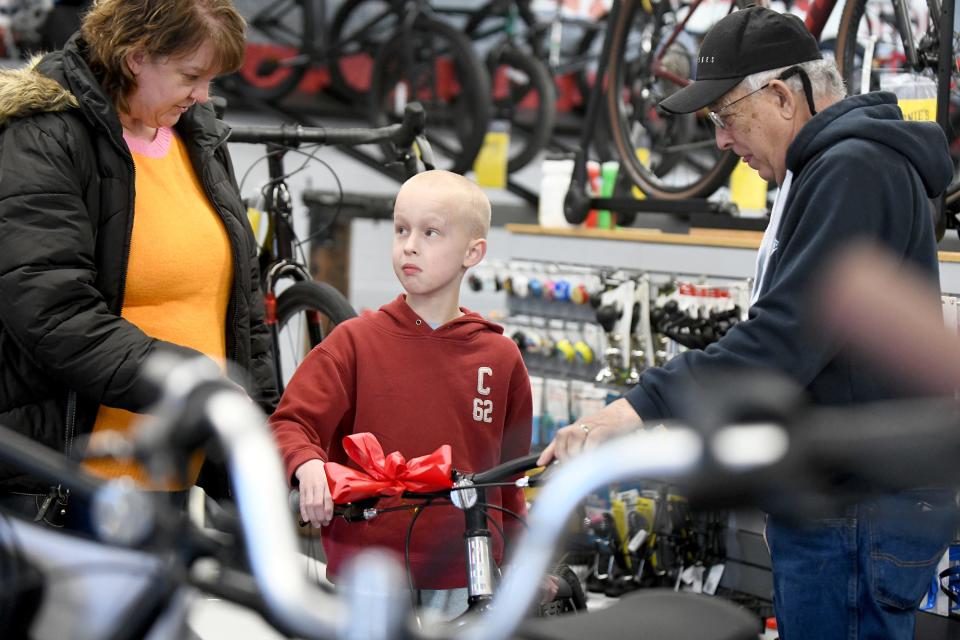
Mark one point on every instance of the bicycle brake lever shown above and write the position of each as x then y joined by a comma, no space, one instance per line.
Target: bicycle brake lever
543,477
427,159
359,511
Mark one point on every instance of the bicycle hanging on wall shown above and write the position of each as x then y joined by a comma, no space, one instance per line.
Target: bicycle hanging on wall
880,39
674,160
397,54
299,315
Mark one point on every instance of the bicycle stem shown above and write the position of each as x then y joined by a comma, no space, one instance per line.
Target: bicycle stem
480,565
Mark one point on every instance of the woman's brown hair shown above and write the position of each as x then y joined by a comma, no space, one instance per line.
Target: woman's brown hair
113,29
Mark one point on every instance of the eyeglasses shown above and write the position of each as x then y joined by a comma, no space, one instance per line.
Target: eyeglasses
795,70
715,117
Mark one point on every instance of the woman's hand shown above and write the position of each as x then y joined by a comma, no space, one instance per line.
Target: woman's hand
316,505
613,420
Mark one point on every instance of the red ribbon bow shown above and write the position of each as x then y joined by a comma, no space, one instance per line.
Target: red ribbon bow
385,475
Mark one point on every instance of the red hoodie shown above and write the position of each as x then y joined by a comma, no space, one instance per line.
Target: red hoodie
415,389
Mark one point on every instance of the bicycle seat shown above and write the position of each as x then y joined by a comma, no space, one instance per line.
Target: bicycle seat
655,614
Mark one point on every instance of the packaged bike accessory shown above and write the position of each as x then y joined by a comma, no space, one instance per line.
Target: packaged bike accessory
916,94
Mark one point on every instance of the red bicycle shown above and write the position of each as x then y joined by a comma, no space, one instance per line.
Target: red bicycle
650,52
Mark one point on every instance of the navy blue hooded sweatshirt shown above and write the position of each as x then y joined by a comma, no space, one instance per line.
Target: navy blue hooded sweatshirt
859,172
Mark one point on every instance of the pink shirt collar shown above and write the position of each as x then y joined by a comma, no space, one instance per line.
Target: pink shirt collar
158,148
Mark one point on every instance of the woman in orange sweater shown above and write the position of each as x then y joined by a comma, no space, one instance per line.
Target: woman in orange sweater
122,232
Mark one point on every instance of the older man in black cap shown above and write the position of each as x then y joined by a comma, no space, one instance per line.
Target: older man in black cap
847,168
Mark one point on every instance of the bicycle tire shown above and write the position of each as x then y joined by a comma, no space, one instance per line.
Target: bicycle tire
686,140
459,113
848,51
354,43
320,307
518,80
287,26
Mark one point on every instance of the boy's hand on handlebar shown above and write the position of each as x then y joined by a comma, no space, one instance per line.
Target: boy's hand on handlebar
613,420
316,505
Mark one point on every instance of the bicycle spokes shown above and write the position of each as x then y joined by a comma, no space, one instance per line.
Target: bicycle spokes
279,50
671,157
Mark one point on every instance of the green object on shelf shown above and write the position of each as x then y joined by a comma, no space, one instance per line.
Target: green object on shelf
608,180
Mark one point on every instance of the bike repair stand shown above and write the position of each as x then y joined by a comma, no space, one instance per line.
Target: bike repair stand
578,202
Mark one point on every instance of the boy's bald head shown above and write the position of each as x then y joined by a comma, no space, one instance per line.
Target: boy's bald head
462,196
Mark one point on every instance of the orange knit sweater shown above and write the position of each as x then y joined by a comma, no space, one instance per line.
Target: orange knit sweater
178,276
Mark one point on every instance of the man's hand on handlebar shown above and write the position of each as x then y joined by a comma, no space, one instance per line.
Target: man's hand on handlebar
316,504
615,419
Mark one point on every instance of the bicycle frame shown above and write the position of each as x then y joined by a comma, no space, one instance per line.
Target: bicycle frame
284,265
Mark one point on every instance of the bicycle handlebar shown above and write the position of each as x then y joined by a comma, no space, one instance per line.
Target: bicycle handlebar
507,469
889,447
23,453
359,510
402,134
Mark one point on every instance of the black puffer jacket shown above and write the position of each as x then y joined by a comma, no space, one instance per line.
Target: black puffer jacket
66,217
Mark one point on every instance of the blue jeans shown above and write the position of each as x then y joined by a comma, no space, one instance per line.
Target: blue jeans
860,576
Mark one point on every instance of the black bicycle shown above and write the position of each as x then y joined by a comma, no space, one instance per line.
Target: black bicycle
300,315
522,86
399,55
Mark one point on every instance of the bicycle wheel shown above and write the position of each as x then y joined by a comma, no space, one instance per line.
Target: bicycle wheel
358,30
306,312
674,157
436,65
525,96
870,26
280,49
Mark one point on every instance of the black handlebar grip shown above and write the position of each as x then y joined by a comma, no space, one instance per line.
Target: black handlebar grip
507,469
414,123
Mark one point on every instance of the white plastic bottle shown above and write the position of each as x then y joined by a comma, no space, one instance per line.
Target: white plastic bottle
553,190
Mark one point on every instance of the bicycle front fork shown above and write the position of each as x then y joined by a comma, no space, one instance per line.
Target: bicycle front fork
481,569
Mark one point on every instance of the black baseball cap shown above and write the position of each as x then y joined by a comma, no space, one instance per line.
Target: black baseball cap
743,43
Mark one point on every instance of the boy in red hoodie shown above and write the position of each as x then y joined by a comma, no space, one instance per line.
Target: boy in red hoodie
419,373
